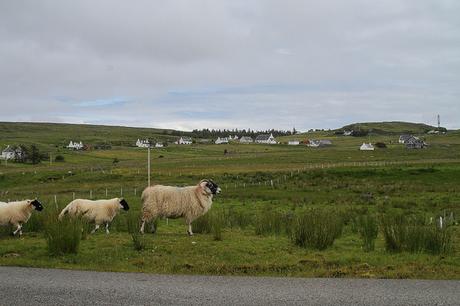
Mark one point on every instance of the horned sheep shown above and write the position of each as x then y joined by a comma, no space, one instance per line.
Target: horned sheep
99,211
18,213
188,202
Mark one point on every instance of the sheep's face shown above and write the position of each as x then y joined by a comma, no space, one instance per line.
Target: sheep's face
124,204
211,187
37,205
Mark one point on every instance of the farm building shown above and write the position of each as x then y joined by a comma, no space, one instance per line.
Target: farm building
143,143
347,133
293,142
366,147
246,139
75,145
266,139
184,140
159,145
222,140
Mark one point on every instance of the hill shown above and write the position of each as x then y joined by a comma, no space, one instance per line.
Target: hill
46,134
390,128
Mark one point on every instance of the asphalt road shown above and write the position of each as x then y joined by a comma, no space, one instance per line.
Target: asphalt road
27,286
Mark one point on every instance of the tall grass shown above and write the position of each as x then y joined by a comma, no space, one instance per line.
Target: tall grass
133,225
268,222
63,237
368,229
211,222
316,229
415,236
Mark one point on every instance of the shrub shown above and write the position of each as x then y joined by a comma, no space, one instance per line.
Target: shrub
368,229
59,158
316,229
63,237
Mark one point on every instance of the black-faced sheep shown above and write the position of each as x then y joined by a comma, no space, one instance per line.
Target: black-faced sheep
18,213
188,202
99,211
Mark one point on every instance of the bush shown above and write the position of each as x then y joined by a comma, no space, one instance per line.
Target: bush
415,236
63,237
316,229
133,224
59,158
368,229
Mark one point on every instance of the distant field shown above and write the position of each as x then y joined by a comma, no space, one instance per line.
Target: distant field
255,179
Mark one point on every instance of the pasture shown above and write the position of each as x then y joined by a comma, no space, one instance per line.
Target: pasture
252,227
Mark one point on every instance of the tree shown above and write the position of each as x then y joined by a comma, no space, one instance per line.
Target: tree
34,155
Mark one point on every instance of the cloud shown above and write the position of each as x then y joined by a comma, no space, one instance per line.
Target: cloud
252,64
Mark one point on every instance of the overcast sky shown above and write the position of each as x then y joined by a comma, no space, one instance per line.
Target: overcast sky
230,64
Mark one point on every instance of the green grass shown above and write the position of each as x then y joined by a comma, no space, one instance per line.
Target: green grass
249,229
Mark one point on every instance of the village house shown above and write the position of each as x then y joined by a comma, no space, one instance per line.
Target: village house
266,139
347,133
293,142
143,143
403,138
366,147
246,139
415,143
75,145
159,145
223,140
319,143
184,140
9,153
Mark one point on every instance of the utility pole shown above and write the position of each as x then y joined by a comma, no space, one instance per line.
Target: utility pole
439,121
148,164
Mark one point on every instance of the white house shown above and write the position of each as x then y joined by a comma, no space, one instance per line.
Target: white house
266,139
143,143
8,153
235,137
159,145
246,139
75,145
347,133
366,147
313,143
221,140
185,140
293,142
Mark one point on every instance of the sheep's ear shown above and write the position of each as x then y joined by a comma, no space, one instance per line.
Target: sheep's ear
203,183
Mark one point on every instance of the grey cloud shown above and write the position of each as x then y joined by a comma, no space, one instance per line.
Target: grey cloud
231,63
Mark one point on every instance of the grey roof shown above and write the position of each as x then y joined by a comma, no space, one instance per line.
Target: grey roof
263,137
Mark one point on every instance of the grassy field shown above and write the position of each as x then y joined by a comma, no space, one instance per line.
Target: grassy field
264,187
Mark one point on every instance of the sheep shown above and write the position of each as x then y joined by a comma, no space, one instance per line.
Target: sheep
99,211
18,213
188,202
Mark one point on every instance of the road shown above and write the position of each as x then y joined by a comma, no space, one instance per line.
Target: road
28,286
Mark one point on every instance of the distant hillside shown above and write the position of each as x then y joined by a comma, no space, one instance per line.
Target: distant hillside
46,134
390,128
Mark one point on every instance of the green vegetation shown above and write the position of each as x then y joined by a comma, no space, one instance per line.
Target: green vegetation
283,211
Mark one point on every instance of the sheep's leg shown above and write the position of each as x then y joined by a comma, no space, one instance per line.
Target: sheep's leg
141,230
18,229
107,228
95,229
153,228
189,231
